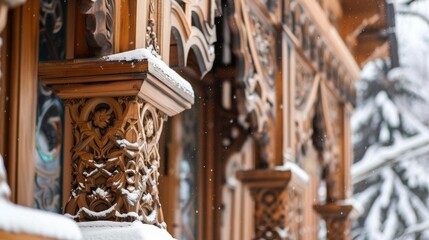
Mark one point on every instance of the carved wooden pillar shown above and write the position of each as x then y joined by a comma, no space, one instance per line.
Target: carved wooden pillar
115,159
336,219
270,193
117,108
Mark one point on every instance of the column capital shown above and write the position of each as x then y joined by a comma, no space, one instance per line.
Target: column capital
134,73
336,219
265,178
117,106
268,188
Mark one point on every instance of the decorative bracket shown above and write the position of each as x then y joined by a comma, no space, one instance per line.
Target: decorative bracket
336,219
268,188
117,106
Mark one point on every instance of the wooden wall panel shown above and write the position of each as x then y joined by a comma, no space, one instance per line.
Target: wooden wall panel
22,109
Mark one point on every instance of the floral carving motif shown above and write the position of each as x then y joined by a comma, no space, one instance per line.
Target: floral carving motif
102,117
149,128
115,160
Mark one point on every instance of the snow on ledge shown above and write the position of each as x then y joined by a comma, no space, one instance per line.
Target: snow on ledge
18,219
296,171
357,210
109,230
155,62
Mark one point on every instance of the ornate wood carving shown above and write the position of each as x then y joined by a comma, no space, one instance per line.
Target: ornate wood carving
99,25
295,205
269,191
115,160
193,26
151,35
312,41
52,30
254,46
231,134
116,108
336,220
305,96
304,82
332,145
270,204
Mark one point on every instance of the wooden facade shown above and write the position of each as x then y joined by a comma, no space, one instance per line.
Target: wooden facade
266,126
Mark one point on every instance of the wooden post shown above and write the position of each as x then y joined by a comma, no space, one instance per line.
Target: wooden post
115,160
268,188
336,219
117,109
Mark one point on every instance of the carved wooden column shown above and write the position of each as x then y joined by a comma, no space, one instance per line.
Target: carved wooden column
336,219
117,107
270,193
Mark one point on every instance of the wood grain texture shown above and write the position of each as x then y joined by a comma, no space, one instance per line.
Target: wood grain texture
20,236
23,91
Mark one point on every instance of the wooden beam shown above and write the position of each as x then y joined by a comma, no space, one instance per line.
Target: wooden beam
23,98
331,37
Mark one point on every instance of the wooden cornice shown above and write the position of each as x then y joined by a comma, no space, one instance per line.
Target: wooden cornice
265,177
330,35
101,78
333,210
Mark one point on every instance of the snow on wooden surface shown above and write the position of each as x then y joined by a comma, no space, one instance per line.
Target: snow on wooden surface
155,62
18,219
108,230
296,171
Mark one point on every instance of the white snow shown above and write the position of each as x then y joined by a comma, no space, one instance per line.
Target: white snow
156,63
370,71
387,186
357,209
366,196
391,224
392,180
92,213
296,171
4,188
389,111
415,171
18,219
125,143
384,155
132,197
100,192
106,230
384,133
404,206
362,116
